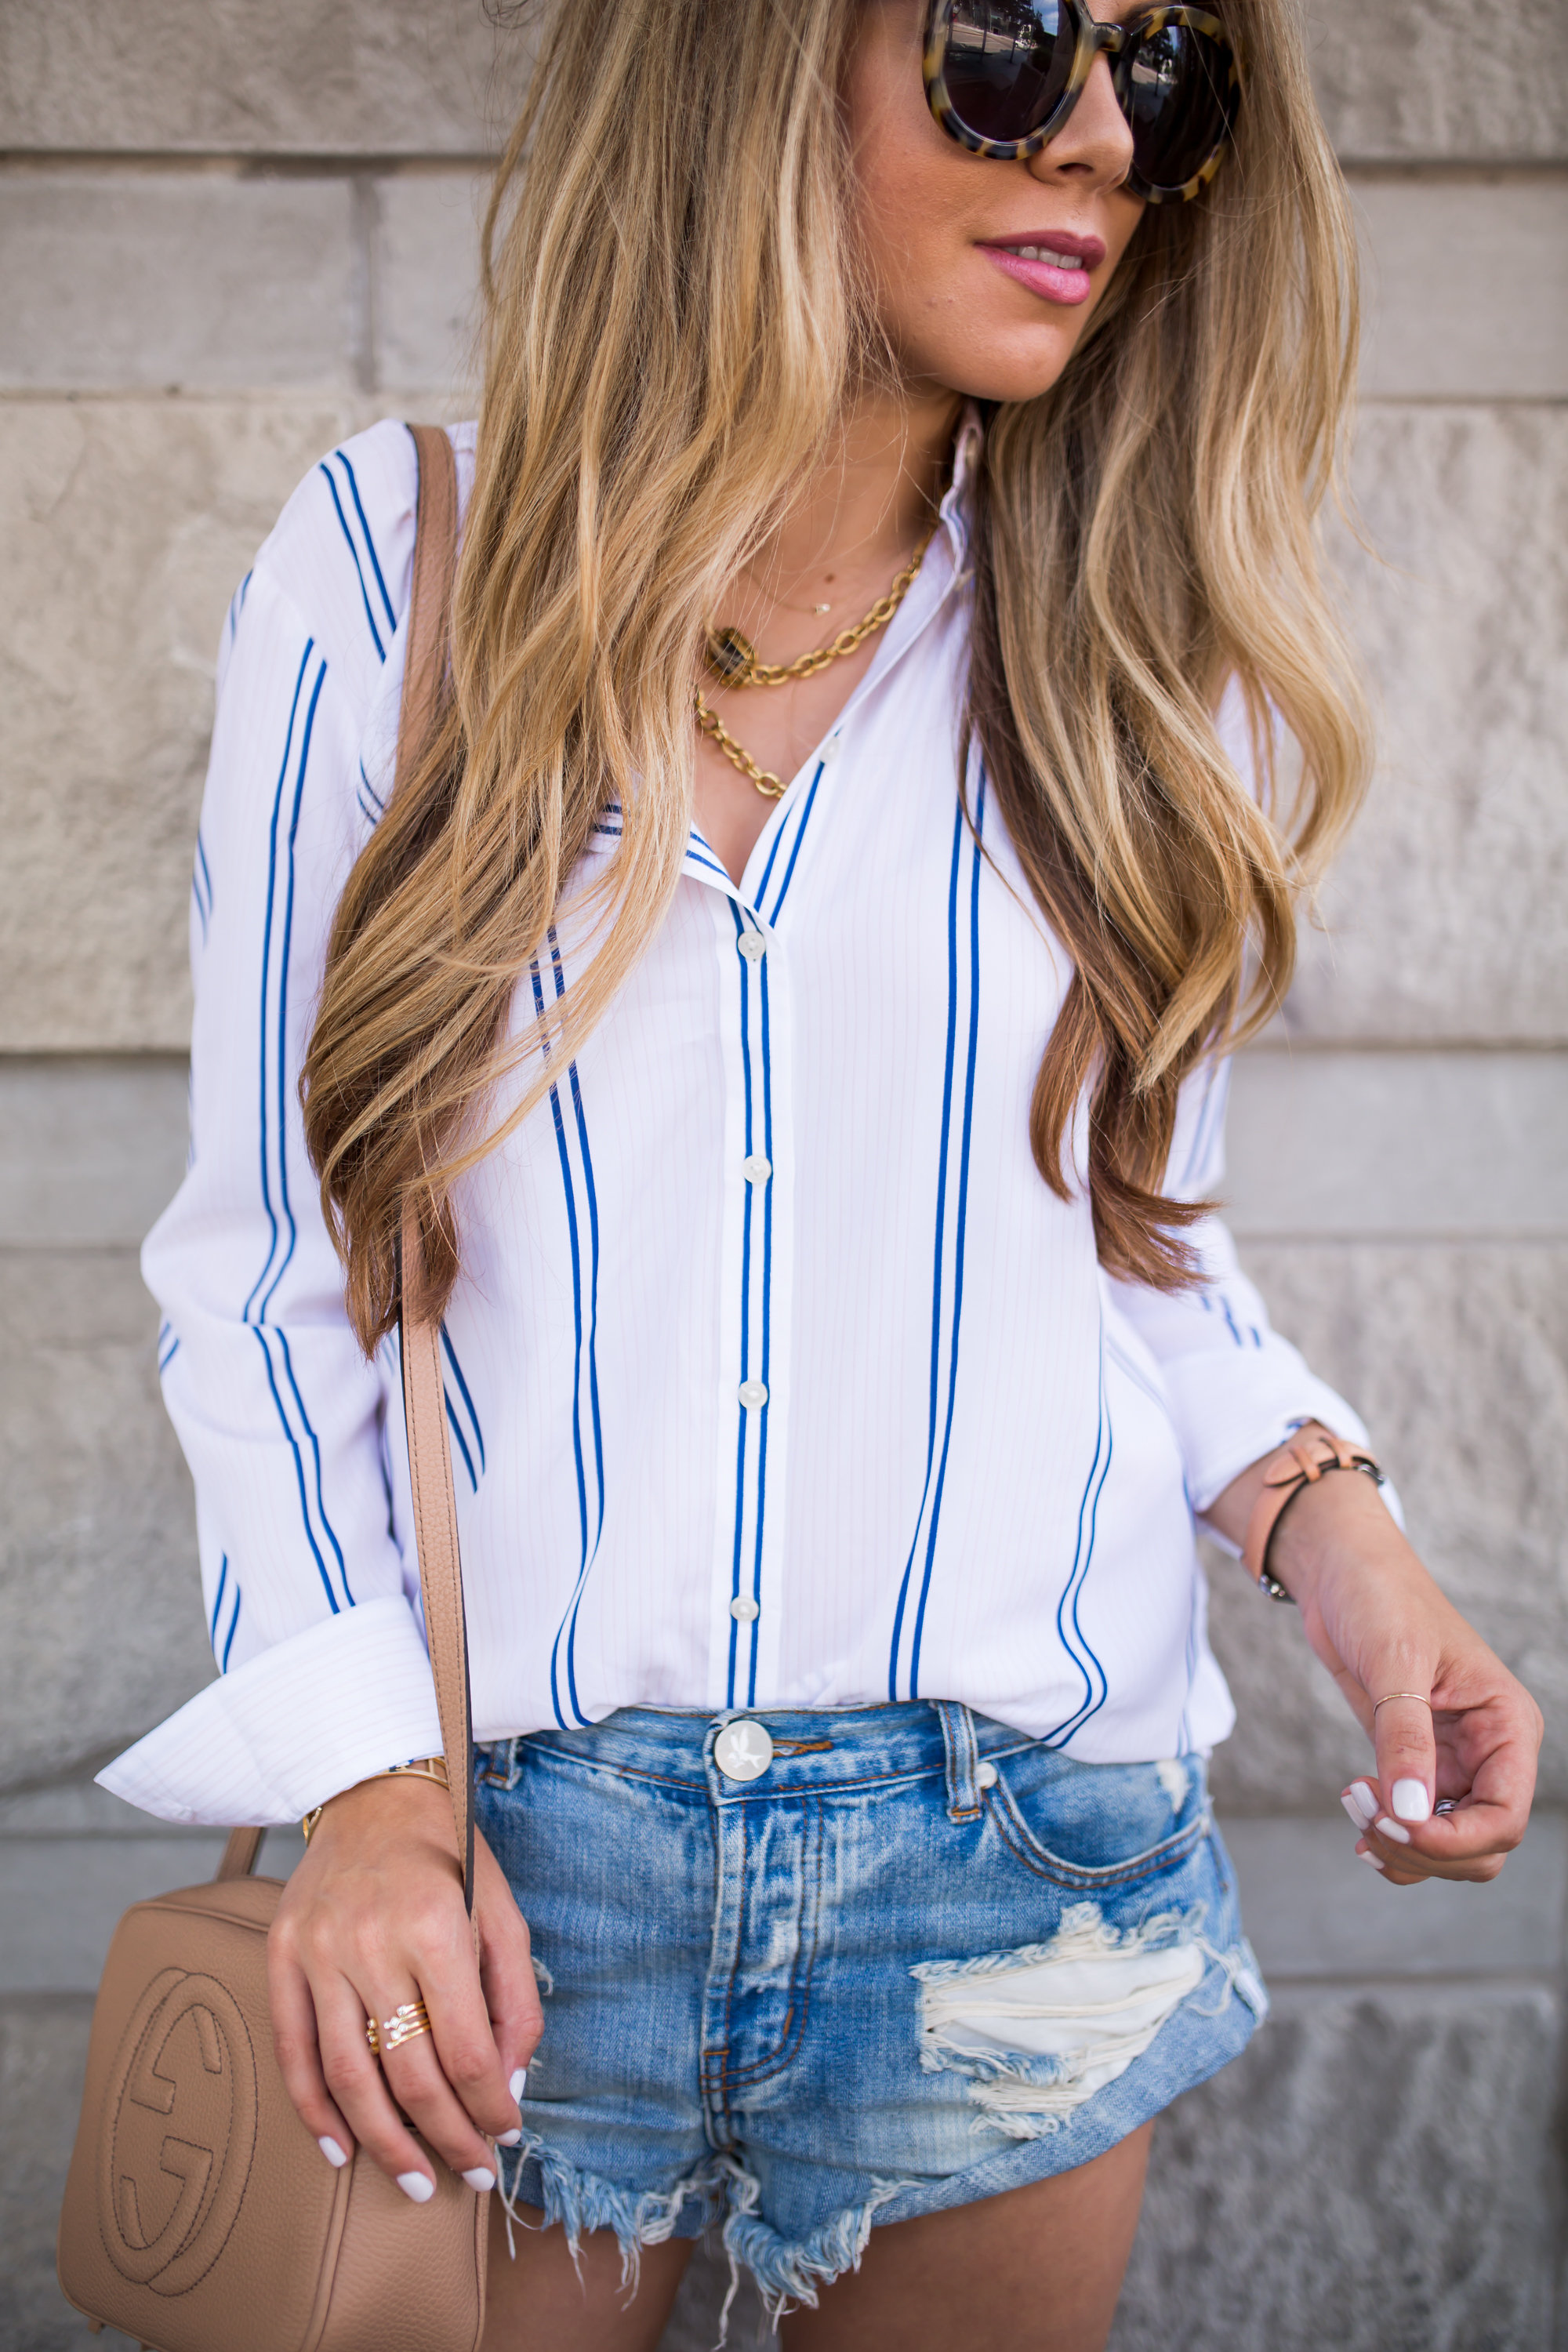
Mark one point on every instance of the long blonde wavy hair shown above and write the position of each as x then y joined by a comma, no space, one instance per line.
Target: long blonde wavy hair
677,317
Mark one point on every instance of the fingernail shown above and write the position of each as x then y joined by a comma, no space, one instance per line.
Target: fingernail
509,2139
481,2178
1411,1801
1373,1859
332,2153
1386,1828
517,2082
1360,1803
416,2184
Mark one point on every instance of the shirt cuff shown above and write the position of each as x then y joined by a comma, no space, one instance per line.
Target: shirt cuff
1231,1406
294,1725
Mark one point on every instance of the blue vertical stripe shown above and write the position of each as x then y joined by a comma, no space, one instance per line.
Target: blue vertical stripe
273,1113
936,1469
1070,1629
342,458
584,1353
359,568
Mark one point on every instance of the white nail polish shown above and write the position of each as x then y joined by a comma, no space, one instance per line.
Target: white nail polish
414,2185
516,2084
481,2178
1411,1801
1360,1803
509,2139
1373,1859
1386,1828
332,2153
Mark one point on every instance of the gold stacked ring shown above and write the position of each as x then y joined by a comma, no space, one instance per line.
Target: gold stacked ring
405,2024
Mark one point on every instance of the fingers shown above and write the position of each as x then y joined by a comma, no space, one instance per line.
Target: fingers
506,1974
1460,1842
1407,1754
299,2057
362,2091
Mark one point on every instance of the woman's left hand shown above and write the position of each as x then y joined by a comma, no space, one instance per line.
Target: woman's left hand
1456,1735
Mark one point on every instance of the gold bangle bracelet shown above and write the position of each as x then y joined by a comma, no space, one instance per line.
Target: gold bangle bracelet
419,1768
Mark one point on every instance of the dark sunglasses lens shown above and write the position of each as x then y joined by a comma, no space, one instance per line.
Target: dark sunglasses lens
1006,64
1178,98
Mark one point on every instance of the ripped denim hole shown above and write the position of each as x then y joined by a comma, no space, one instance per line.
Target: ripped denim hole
1040,2029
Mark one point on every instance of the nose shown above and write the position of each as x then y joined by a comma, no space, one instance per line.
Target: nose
1095,143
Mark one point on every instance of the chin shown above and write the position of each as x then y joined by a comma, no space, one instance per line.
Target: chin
1003,375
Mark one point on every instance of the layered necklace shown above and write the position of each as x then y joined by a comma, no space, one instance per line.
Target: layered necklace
732,660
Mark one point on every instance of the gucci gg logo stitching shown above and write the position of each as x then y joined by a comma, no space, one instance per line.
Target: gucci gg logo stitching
181,2107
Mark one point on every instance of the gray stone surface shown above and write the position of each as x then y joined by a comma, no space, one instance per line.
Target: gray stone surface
426,273
360,77
1467,285
206,281
100,1619
91,1149
43,2055
1457,1358
1313,1911
1367,2175
1447,915
1397,1144
124,529
1421,81
61,1897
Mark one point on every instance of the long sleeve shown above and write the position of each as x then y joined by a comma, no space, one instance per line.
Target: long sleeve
293,1439
1234,1387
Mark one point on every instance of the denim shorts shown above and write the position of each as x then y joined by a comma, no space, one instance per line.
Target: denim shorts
917,1960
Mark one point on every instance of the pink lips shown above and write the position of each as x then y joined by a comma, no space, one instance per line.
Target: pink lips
1045,278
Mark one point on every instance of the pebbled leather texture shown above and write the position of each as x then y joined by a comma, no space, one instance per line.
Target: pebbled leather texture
199,2214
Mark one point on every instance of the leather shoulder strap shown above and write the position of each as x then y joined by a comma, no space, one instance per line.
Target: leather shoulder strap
423,1392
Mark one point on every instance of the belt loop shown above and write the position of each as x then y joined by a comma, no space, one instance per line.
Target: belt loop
963,1755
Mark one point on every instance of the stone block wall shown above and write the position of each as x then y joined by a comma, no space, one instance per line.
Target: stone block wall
228,236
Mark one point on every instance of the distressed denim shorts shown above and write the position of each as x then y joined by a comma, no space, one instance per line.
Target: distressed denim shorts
915,1959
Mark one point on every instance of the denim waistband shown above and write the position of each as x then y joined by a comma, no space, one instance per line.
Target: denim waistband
815,1750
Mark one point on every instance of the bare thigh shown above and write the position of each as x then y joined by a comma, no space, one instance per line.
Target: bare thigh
1034,2269
544,2302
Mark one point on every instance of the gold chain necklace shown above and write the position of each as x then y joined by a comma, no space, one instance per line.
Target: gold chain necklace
732,658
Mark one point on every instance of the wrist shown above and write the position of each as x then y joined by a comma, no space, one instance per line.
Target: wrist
1341,1520
399,1801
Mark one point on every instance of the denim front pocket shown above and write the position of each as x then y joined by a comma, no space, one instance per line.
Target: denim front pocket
1098,1825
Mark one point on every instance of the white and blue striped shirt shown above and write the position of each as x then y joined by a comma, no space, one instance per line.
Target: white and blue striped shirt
776,1376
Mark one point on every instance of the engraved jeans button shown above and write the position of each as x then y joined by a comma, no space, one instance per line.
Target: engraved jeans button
743,1751
750,1393
985,1777
756,1170
742,1608
753,946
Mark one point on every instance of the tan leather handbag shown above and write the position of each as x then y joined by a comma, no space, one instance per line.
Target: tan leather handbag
199,2215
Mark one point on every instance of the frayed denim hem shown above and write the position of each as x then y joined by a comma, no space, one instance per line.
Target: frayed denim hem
584,2201
788,2275
785,2274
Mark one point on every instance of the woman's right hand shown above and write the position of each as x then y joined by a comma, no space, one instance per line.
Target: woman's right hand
373,1917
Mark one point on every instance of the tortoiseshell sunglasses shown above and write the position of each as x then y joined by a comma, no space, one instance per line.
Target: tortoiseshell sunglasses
1003,75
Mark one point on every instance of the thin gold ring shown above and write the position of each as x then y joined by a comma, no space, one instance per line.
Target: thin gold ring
405,2024
1389,1695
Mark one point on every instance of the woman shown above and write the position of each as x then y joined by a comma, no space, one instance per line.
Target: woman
812,1088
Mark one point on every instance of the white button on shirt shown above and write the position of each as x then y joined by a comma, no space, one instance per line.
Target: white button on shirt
872,1425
